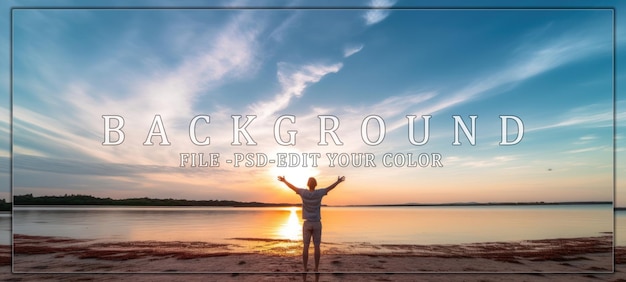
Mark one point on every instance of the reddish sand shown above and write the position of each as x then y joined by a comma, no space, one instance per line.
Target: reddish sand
590,258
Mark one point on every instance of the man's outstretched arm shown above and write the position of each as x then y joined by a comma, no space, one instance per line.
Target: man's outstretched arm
283,180
339,180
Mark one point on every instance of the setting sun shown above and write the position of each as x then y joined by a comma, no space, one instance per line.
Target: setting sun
296,175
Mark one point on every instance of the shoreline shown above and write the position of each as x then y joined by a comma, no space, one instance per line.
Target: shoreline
44,254
291,205
174,259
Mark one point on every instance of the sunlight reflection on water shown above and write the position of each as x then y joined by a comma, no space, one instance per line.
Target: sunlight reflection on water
291,229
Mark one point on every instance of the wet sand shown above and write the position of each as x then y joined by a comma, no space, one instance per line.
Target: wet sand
279,260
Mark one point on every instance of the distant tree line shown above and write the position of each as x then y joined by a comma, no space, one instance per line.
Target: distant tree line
29,199
4,206
69,200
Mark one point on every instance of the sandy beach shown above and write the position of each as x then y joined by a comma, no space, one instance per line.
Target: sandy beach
54,258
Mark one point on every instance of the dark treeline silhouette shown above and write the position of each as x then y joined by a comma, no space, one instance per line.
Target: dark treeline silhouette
4,206
29,199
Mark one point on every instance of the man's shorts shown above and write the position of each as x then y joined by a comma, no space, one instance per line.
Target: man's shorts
312,228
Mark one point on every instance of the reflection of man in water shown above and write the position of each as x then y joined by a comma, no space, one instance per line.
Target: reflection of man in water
312,227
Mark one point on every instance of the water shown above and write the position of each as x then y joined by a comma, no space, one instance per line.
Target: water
5,228
620,228
377,225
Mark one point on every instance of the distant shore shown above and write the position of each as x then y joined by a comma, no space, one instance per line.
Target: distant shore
87,200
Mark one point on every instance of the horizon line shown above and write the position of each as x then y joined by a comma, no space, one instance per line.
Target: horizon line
468,203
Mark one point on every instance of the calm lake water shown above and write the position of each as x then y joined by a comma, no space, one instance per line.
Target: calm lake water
5,228
620,228
389,225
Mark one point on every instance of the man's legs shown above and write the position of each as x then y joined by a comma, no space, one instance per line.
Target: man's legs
306,240
317,240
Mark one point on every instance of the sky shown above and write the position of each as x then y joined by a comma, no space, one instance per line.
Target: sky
551,68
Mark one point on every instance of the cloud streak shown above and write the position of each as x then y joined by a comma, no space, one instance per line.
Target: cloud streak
531,60
597,115
379,13
590,149
351,50
293,81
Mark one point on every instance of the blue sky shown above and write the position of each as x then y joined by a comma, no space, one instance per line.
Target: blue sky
552,68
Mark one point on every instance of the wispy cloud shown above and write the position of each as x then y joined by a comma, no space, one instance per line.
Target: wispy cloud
227,54
586,139
293,81
529,61
598,115
279,32
351,50
379,13
590,149
393,108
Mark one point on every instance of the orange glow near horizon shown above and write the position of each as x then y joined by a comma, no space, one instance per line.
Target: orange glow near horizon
297,176
372,185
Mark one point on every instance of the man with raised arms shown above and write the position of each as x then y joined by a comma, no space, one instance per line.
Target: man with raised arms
312,226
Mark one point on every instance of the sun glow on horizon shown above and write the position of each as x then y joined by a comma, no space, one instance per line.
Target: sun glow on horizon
297,176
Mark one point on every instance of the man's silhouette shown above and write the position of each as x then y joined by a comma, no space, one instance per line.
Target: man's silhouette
312,227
